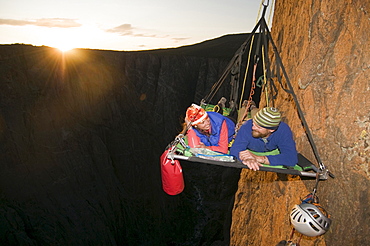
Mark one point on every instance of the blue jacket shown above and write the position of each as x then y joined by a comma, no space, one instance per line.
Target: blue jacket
281,139
216,124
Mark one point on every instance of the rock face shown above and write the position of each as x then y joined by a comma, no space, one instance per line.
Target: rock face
325,49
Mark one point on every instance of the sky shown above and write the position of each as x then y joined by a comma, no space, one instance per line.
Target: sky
124,24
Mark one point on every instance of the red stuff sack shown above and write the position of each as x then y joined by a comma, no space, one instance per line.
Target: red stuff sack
171,172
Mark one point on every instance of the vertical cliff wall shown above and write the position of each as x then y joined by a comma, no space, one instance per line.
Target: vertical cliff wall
325,48
81,134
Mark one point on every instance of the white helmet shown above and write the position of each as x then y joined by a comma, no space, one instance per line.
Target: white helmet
308,220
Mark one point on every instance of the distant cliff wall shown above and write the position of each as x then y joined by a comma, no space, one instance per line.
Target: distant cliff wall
80,138
324,46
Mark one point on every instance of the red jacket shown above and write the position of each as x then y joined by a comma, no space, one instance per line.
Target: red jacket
223,143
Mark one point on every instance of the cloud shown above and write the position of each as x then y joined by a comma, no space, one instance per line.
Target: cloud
45,22
123,30
179,39
13,22
58,22
129,30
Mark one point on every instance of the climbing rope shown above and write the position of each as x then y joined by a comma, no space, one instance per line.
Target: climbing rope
246,72
251,93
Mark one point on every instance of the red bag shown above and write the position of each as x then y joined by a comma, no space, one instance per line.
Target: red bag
172,179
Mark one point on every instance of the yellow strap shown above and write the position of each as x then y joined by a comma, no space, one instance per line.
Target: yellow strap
264,77
246,72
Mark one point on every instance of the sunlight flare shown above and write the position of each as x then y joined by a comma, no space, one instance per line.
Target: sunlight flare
66,39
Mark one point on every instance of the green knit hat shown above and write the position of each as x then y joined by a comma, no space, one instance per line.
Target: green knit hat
268,118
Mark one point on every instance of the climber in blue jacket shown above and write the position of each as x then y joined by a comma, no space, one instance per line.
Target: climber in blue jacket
264,133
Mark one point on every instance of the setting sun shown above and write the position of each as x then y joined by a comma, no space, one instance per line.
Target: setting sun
64,48
66,40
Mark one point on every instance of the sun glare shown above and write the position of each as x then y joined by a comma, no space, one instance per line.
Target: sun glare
63,40
64,48
69,38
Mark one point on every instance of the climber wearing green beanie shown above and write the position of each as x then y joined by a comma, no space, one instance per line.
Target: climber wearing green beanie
265,133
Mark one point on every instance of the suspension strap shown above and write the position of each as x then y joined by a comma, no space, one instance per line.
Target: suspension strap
291,91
